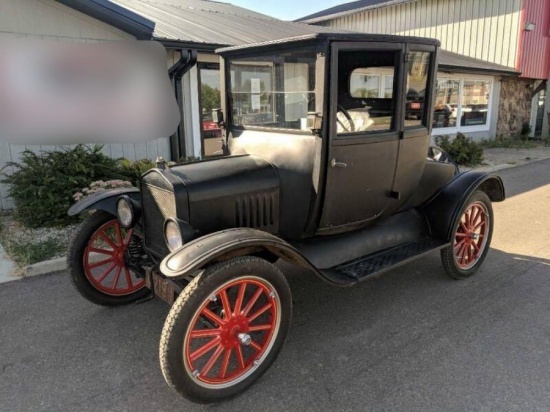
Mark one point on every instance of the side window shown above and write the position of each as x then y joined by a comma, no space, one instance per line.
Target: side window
366,91
418,68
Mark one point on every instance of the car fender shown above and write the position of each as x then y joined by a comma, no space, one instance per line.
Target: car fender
226,244
105,200
442,210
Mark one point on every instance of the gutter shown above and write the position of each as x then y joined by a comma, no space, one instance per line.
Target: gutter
114,15
187,60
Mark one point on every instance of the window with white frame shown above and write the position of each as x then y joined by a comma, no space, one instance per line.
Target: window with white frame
462,103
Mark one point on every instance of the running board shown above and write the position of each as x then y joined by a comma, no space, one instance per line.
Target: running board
361,268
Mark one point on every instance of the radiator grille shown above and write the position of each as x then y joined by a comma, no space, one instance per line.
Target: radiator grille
158,204
255,211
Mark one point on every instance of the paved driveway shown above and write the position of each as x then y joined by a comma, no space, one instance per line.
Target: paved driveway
409,340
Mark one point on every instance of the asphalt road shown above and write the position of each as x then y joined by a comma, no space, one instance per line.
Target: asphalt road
411,339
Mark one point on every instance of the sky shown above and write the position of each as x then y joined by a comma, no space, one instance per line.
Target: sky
286,9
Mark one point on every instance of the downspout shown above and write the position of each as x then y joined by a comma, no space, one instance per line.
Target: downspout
187,60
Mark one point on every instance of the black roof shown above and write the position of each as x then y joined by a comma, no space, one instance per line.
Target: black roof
347,8
332,35
448,61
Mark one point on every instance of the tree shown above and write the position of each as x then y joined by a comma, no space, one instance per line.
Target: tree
210,98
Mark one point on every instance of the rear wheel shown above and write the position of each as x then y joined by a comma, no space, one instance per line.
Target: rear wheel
225,329
97,262
471,237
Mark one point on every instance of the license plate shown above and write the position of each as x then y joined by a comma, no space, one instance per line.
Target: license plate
161,287
415,105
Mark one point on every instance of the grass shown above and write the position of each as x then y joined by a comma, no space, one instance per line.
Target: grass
25,254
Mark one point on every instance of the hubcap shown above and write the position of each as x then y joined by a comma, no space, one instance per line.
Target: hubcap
232,332
104,261
471,235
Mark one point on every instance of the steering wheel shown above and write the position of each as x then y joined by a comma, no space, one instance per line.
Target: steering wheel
347,115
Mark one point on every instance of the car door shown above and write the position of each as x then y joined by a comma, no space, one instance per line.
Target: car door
366,122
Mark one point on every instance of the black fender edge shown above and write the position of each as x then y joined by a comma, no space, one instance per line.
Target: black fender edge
105,200
443,209
227,244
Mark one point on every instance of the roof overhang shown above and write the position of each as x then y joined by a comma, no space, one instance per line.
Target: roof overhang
316,18
458,63
114,15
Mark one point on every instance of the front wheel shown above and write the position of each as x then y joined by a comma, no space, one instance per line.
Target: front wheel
471,237
225,329
97,262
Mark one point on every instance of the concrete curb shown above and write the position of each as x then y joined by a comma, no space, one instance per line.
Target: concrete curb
8,268
47,266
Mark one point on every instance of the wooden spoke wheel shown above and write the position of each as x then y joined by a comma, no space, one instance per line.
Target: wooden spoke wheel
225,329
471,237
97,262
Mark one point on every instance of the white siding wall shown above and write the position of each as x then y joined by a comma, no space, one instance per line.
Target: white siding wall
484,29
48,19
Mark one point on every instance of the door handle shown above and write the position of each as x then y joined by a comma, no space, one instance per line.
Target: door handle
334,163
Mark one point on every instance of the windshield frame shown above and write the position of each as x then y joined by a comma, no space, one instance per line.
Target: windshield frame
317,50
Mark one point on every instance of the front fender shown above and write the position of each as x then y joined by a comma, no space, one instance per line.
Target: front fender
225,244
443,209
105,200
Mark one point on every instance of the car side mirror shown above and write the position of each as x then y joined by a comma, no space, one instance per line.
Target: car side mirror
217,116
314,122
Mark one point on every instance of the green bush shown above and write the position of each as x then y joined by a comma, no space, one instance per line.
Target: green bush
462,149
132,171
43,184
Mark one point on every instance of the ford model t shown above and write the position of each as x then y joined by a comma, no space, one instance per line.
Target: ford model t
323,168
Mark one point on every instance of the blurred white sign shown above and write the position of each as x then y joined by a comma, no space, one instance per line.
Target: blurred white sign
65,93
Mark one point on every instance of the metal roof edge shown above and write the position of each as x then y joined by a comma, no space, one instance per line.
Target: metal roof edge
184,44
318,19
114,15
474,70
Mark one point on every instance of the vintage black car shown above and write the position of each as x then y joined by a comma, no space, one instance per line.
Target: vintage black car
328,179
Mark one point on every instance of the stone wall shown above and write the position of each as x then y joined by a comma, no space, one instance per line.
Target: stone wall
514,107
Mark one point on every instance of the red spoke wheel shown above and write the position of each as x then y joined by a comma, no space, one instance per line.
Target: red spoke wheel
225,329
97,262
471,239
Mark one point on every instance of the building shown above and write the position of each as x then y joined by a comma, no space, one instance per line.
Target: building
513,34
191,29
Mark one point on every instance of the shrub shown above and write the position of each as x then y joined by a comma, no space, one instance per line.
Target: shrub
43,184
462,149
525,130
132,171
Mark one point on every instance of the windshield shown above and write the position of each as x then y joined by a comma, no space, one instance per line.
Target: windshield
273,91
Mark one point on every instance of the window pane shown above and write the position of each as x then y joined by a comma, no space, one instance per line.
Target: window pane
365,91
446,103
210,99
418,67
363,84
273,91
475,102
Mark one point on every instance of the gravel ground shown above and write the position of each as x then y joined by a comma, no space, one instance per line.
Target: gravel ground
512,156
13,231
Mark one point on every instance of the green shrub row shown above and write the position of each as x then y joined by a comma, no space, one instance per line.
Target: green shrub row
43,184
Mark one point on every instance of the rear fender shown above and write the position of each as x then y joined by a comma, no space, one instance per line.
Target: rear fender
227,244
105,200
442,210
